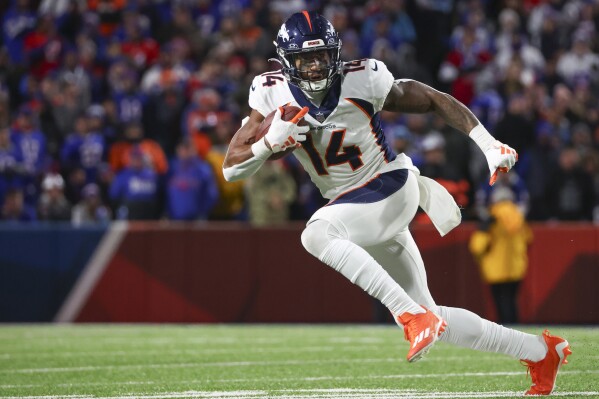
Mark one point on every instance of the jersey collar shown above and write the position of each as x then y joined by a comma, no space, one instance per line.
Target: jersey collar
328,105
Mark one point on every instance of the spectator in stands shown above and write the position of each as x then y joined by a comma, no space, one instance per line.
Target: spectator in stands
43,47
4,96
531,58
458,71
128,100
14,208
16,22
231,204
460,153
120,153
500,247
140,50
418,126
513,80
191,188
388,21
53,206
163,118
74,72
201,118
584,106
542,162
90,209
83,149
67,105
549,39
436,167
30,143
557,110
571,193
516,125
580,61
401,138
487,104
508,182
164,74
509,24
109,13
270,192
181,25
135,189
98,123
67,14
340,17
11,164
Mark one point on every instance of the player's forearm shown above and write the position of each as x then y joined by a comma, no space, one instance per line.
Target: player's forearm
453,112
243,161
414,97
237,155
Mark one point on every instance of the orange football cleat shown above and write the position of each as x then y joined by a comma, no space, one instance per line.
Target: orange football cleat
422,330
544,372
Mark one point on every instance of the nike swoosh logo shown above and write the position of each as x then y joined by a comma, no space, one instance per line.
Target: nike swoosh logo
376,67
253,87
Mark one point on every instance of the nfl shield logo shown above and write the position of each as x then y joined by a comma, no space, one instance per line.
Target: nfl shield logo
319,117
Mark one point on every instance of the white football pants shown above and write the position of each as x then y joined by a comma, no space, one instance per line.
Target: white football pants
370,244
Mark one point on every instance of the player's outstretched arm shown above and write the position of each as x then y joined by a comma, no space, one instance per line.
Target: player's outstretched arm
411,96
414,97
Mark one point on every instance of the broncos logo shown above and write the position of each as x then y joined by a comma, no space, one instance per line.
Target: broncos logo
284,33
330,29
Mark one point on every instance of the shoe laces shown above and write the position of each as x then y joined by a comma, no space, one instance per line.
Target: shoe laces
530,370
406,333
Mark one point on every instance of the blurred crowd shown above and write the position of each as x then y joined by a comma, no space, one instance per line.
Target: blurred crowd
115,109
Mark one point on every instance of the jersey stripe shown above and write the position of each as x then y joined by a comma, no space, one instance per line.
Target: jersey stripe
308,19
379,135
375,189
375,126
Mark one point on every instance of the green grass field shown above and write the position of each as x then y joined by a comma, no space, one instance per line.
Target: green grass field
246,361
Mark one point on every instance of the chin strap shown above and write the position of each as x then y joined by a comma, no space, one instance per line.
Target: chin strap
276,60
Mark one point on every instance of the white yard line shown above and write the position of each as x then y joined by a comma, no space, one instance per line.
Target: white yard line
104,353
292,379
249,363
208,351
315,393
185,365
92,273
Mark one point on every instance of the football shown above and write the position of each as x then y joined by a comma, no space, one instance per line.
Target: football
289,111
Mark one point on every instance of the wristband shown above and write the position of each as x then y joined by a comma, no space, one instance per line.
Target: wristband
481,137
260,150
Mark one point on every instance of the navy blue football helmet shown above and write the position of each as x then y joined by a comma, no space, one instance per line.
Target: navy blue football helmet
310,38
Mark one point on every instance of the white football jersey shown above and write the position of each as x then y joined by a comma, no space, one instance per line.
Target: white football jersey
345,146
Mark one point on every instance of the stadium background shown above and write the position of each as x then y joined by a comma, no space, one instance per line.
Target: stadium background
112,112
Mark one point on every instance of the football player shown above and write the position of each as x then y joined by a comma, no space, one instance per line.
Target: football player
363,231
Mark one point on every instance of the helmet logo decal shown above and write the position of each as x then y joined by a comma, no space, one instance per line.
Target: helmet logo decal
284,33
313,43
330,29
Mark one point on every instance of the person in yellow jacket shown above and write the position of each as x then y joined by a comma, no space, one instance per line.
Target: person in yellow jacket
500,247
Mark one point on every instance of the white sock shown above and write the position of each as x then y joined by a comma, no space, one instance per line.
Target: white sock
360,268
468,330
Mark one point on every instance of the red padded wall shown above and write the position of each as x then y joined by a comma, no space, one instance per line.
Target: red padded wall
233,273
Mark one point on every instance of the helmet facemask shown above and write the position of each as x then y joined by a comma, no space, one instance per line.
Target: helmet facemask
312,70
